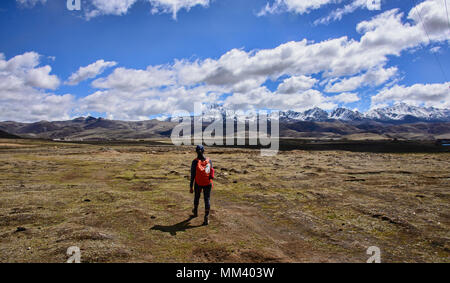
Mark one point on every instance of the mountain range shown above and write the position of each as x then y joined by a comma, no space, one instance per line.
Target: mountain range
400,121
398,113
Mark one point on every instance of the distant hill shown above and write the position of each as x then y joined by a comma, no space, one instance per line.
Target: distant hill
5,135
85,129
89,128
365,130
400,121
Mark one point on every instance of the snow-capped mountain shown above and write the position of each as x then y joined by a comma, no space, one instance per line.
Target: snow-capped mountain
397,113
215,110
383,121
345,114
292,115
318,115
315,114
403,111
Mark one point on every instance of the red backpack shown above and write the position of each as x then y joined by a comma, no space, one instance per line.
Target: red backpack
203,173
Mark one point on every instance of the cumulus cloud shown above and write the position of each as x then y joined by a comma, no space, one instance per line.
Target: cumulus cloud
23,71
430,14
108,7
23,90
262,97
346,97
139,105
373,77
295,84
346,64
41,78
383,36
89,72
437,95
237,78
135,80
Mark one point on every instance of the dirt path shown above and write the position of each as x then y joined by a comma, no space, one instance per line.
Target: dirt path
265,240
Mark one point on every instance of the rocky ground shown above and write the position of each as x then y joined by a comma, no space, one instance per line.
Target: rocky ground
131,203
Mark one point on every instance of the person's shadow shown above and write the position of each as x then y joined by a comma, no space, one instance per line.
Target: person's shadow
179,227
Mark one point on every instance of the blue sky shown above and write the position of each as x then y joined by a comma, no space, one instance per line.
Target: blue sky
137,60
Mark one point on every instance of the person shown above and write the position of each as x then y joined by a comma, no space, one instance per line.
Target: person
202,174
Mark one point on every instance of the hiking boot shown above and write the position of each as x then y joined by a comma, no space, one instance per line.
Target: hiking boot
206,222
194,213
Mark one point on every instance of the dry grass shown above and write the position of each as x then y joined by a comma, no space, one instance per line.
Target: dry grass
131,204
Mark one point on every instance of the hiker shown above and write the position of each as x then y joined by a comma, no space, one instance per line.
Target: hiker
202,173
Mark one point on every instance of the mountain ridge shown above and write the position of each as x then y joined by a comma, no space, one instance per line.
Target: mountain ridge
400,121
401,112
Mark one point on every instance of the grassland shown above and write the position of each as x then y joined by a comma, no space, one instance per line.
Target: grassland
131,203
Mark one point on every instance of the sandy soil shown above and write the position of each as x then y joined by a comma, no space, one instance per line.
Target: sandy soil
132,204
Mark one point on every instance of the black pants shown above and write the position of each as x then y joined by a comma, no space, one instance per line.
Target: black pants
206,195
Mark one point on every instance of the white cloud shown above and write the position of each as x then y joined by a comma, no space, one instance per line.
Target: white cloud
346,64
294,6
373,77
89,72
341,64
23,95
432,16
337,14
108,7
295,84
135,80
95,8
22,72
19,63
437,95
121,7
41,78
302,7
173,6
139,105
346,97
383,36
261,98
